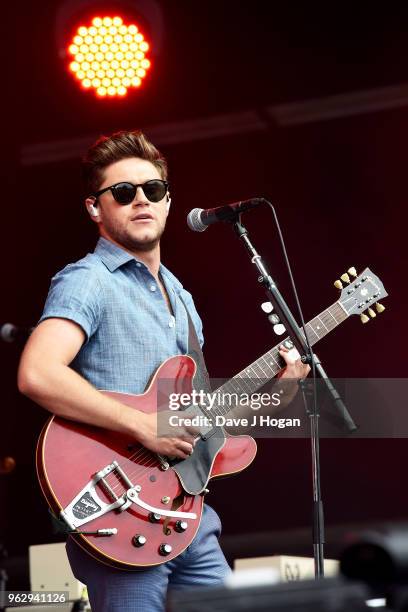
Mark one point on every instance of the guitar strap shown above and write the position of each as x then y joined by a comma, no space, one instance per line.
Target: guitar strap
201,378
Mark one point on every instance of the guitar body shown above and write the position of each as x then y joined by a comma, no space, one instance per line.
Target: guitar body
69,454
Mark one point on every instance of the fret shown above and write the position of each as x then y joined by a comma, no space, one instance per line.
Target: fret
323,323
277,362
235,386
328,320
240,382
332,316
261,368
259,371
336,322
310,331
337,315
269,363
255,384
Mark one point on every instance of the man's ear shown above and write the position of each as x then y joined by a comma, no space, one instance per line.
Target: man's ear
92,207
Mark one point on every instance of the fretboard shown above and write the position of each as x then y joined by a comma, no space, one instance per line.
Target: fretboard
254,376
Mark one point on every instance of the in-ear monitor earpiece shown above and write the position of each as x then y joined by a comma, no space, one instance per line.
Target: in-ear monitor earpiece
93,211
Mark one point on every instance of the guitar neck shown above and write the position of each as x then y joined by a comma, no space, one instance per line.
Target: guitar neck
254,376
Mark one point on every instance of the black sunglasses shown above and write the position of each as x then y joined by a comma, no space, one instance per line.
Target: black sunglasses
124,193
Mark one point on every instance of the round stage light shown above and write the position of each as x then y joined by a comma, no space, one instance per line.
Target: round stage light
101,49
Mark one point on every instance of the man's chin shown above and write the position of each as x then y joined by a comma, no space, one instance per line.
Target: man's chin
147,243
145,246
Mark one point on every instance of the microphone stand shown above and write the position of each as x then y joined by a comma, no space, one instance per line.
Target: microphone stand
302,344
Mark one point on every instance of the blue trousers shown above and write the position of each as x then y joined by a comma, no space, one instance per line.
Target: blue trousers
113,590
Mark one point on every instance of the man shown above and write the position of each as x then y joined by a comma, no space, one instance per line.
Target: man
110,319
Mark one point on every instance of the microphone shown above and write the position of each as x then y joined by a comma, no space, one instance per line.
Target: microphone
10,332
198,219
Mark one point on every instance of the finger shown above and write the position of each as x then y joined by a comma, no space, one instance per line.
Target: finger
181,454
186,437
177,448
185,447
177,453
291,356
192,432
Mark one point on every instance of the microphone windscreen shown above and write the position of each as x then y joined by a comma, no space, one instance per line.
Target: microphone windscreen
194,220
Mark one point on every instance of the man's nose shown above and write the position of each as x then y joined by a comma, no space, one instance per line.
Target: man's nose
140,197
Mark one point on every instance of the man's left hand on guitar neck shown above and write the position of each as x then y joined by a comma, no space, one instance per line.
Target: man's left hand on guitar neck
294,368
288,377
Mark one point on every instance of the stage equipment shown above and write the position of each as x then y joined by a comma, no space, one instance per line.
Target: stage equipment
374,564
300,596
198,219
12,333
50,571
7,465
108,48
286,567
109,56
377,556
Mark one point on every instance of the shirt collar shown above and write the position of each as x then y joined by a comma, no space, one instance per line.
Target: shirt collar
114,257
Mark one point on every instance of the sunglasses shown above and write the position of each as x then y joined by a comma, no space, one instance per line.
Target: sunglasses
124,193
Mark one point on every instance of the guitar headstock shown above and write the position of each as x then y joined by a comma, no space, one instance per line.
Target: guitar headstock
361,293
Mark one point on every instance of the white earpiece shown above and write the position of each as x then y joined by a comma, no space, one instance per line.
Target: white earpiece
93,211
168,203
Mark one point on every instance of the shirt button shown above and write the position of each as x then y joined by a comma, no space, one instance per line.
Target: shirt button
138,264
172,322
152,288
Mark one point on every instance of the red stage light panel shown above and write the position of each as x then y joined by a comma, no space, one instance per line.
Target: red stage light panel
109,56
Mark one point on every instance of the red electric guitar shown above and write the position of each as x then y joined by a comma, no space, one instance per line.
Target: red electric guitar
132,508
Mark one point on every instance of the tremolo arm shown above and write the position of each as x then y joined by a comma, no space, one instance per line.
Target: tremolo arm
87,505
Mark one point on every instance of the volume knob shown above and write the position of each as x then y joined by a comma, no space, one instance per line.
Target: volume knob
139,540
165,549
180,526
154,517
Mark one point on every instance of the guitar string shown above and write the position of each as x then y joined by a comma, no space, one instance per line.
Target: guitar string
144,453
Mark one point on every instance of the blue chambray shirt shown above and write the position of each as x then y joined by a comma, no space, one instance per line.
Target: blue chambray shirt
118,303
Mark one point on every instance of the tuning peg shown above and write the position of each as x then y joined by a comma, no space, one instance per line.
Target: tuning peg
338,284
364,318
267,307
274,319
371,313
379,307
352,271
345,278
279,329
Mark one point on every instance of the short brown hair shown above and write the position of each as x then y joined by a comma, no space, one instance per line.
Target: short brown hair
110,149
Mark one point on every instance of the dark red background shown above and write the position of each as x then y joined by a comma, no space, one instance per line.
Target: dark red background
339,186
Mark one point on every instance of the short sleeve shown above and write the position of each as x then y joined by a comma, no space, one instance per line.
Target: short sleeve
75,294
